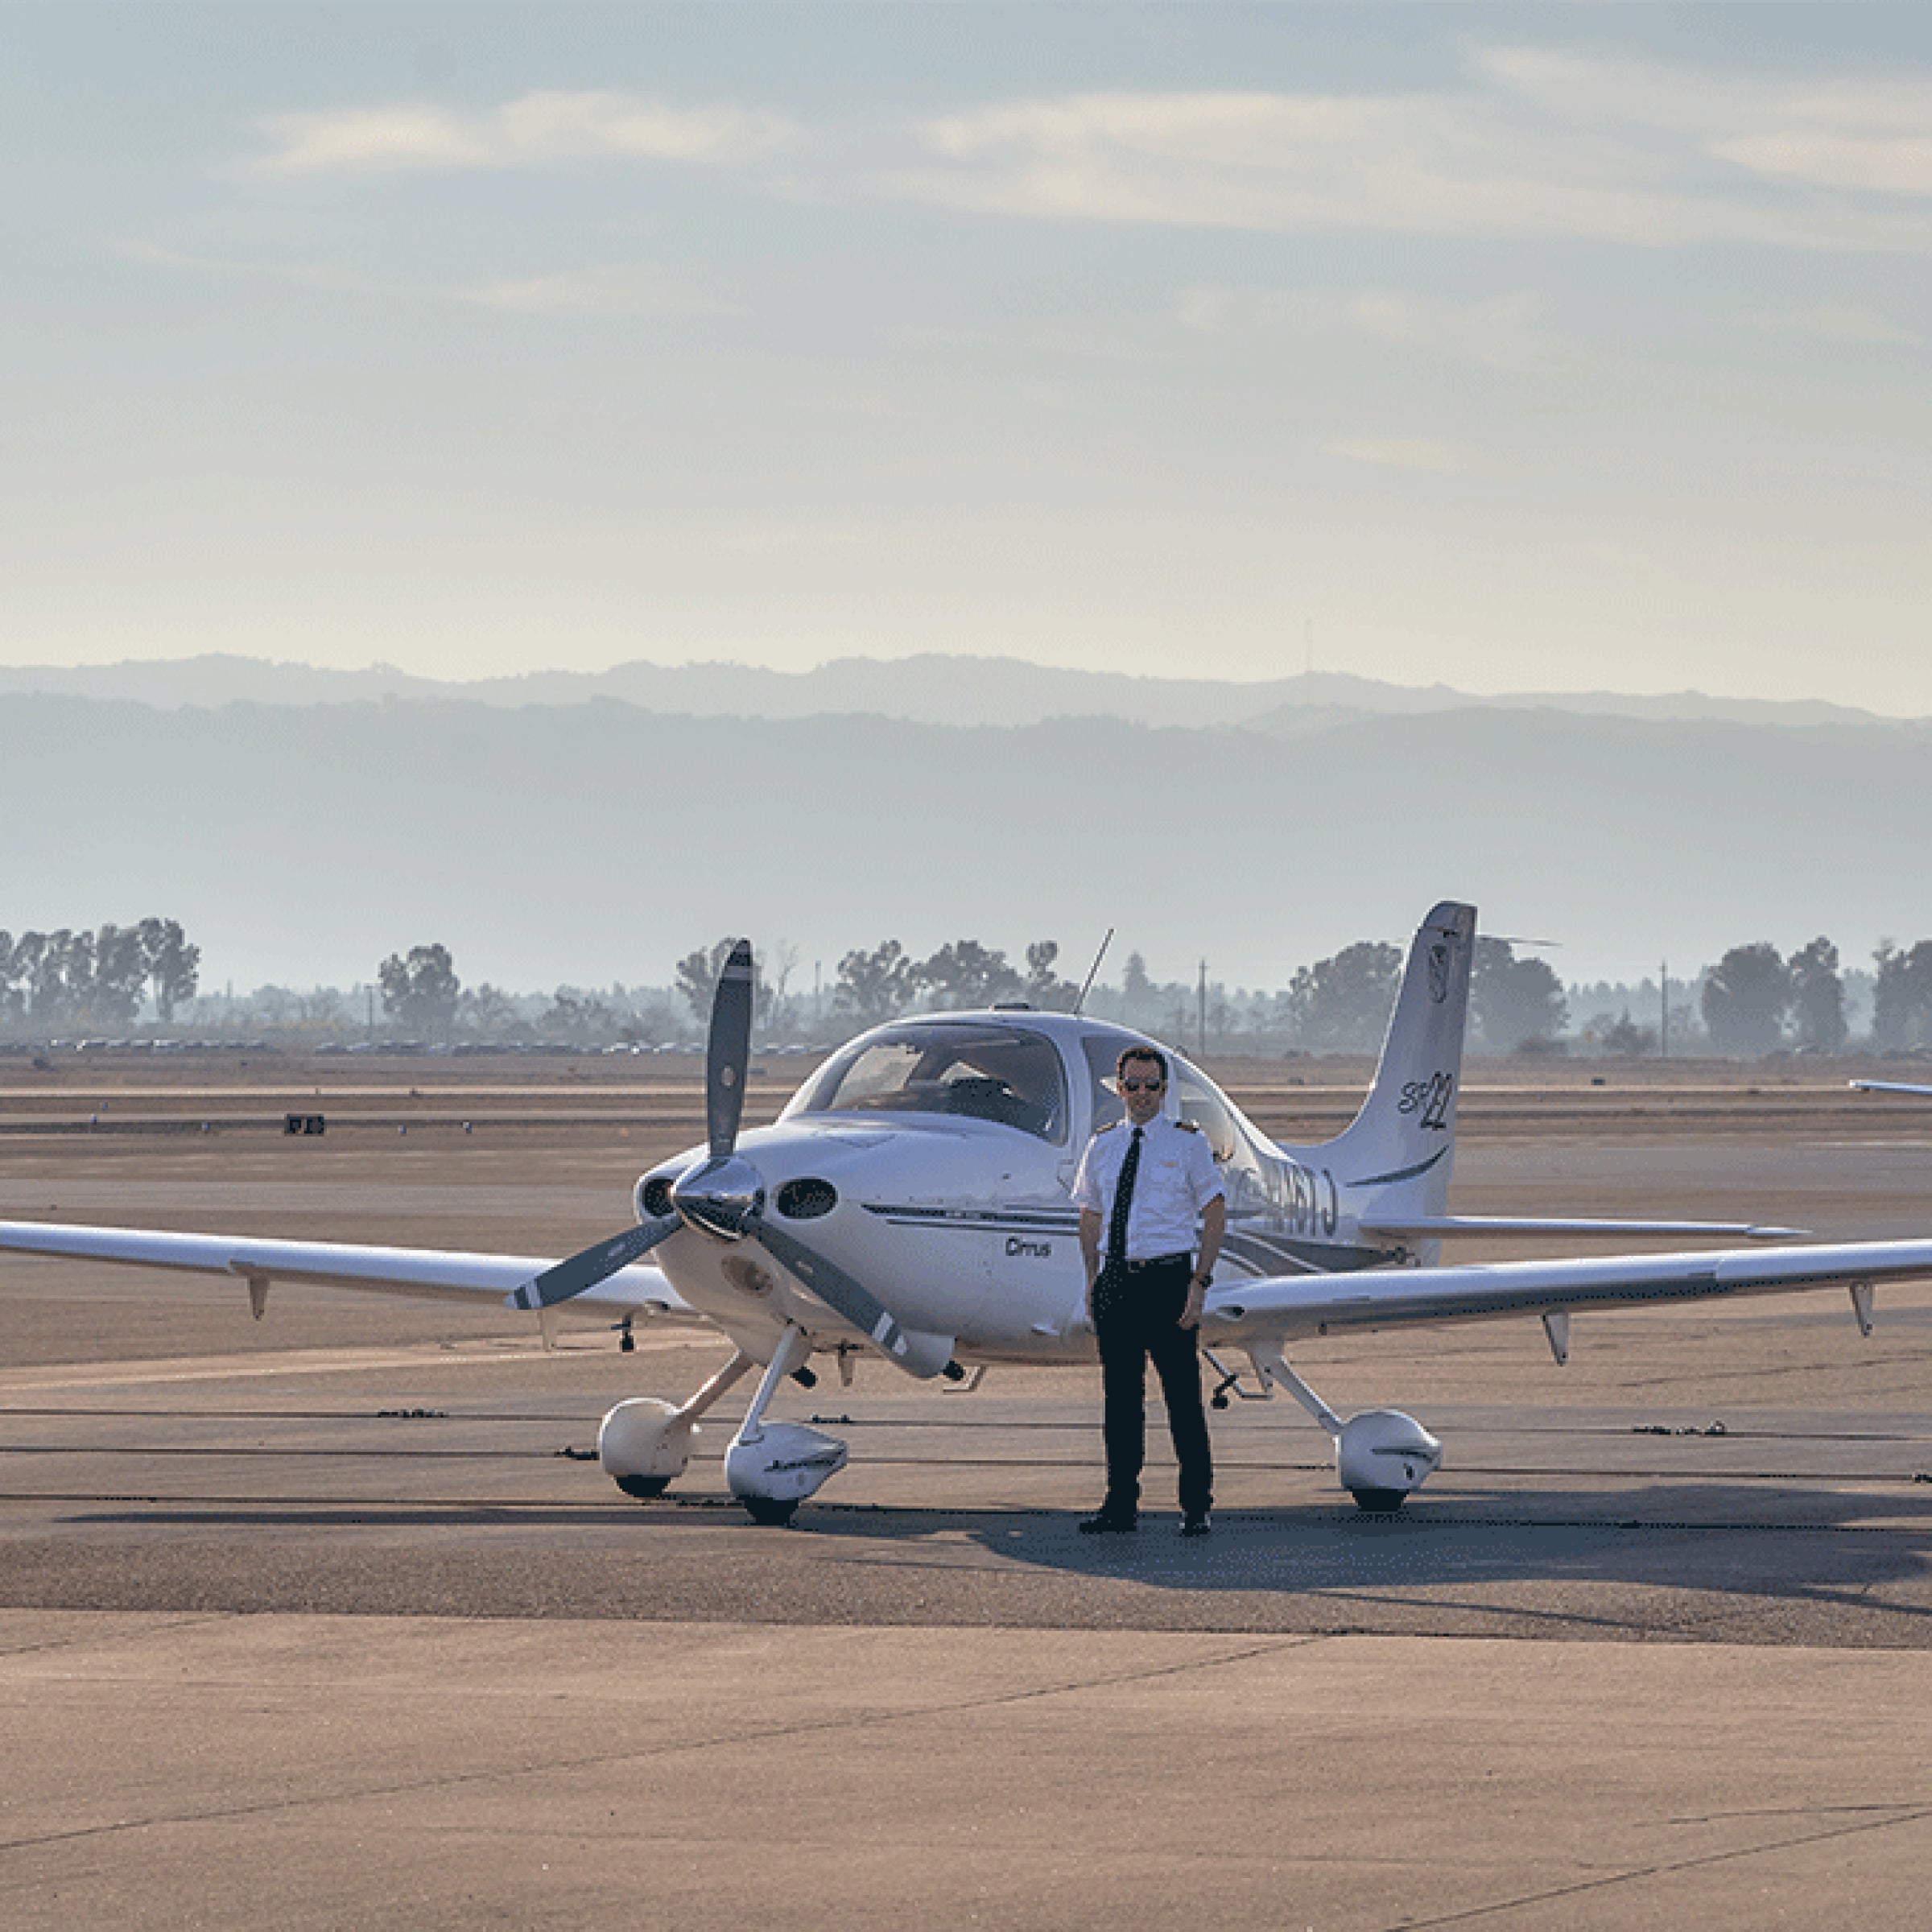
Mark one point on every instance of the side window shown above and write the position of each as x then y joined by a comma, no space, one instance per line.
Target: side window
1102,1050
1201,1105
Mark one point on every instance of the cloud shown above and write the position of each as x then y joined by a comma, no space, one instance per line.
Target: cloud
1841,325
1532,144
1395,452
1501,332
1856,132
543,129
603,292
1886,165
598,292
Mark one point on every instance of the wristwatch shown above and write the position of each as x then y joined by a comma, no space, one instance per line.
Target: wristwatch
1202,1281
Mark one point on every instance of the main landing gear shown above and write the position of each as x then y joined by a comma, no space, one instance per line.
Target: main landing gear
644,1444
1381,1456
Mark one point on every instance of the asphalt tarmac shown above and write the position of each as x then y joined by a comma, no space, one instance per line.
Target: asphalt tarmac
323,1621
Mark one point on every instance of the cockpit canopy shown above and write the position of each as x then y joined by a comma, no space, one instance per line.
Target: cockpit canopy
1012,1074
977,1068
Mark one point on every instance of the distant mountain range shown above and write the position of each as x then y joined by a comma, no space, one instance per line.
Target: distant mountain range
584,841
933,689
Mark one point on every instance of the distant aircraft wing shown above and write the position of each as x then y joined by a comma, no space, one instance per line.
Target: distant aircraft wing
435,1274
1889,1087
1276,1307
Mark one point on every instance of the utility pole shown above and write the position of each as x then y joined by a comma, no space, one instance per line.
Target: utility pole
1663,1015
1203,1009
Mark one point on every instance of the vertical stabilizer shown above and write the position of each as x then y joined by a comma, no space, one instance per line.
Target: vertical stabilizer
1395,1157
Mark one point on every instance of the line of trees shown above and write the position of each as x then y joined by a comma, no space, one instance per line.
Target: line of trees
95,981
1753,1001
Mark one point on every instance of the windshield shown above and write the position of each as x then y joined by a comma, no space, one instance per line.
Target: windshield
987,1073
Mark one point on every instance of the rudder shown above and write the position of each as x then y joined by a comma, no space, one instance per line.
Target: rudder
1403,1140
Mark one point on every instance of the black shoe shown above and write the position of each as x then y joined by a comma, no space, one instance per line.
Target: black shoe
1109,1523
1197,1525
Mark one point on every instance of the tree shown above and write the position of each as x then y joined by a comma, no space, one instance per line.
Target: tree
1045,988
580,1017
173,965
698,979
1901,995
873,987
1818,996
57,970
490,1013
1626,1038
420,992
1513,1001
1342,1003
964,973
1746,996
1140,997
120,975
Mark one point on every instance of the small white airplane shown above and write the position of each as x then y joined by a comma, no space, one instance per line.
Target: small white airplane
911,1202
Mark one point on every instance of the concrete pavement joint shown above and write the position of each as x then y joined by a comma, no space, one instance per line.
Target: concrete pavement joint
1475,1914
605,1760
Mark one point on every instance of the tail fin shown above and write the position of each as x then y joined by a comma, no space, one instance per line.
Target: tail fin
1395,1157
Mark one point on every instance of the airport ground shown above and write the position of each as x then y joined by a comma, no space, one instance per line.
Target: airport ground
322,1621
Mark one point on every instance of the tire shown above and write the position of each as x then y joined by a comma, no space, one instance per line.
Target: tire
643,1487
767,1513
1379,1502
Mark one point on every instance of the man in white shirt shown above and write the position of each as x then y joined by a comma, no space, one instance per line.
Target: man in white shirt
1143,1185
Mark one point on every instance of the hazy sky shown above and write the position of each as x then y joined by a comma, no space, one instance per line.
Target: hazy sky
1515,347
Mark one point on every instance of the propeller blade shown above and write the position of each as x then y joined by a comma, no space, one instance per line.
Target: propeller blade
836,1289
728,1050
593,1265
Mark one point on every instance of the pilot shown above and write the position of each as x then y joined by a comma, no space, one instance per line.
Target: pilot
1144,1183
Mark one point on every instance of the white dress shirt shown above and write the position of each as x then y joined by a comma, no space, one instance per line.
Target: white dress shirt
1177,1178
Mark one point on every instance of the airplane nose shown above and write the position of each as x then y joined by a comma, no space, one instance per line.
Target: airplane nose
722,1196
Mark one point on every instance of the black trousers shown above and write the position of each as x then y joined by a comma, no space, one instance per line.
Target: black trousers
1136,1315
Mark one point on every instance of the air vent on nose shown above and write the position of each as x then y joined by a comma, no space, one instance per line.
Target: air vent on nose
654,1196
807,1200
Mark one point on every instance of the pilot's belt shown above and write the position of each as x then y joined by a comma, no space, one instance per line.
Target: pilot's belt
1180,1259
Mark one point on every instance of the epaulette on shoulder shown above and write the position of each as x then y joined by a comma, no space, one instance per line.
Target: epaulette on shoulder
1108,1128
1188,1126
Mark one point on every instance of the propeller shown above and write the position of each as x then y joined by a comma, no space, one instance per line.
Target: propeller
727,1056
728,1051
586,1268
722,1194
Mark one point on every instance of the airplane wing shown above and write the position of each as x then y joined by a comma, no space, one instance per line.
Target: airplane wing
438,1275
1276,1307
1434,1227
1889,1087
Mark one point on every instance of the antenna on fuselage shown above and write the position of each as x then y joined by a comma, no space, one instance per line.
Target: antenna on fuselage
1086,983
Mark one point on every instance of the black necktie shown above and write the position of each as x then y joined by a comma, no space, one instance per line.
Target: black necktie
1123,1203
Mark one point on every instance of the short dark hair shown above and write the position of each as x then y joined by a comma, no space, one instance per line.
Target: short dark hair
1142,1053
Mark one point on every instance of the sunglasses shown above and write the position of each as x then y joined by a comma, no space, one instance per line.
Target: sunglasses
1151,1085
